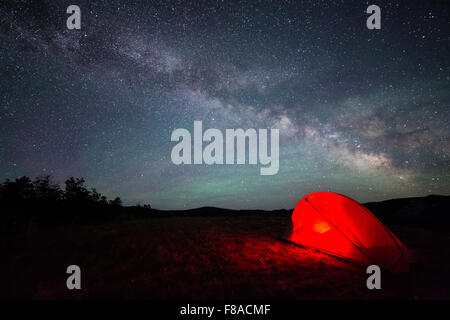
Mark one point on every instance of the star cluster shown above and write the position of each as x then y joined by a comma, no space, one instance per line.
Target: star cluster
361,112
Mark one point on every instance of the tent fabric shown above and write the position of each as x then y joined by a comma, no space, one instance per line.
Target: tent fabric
338,225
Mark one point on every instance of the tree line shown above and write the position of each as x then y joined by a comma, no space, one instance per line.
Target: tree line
43,191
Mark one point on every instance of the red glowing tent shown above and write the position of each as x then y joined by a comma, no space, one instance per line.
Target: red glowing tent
342,227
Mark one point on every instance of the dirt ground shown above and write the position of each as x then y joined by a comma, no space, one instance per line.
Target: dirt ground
207,257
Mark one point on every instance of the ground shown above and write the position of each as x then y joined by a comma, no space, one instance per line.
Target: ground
234,256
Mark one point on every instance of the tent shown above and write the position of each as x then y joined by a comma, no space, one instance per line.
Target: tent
340,226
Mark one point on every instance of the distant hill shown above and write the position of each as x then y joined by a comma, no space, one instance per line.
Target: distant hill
432,211
202,211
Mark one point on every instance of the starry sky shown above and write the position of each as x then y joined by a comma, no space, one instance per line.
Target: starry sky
365,113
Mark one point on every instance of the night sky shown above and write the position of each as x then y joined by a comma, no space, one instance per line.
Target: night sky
365,113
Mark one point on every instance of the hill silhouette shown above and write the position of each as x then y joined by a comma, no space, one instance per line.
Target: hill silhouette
24,200
432,211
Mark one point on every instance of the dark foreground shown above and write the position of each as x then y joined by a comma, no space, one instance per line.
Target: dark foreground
188,256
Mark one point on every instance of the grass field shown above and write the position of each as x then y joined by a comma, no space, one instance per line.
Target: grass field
235,256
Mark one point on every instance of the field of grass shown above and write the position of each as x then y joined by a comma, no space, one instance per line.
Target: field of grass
234,256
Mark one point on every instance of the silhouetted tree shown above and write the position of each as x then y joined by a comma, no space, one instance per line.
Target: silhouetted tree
116,202
21,189
103,200
46,190
95,196
76,191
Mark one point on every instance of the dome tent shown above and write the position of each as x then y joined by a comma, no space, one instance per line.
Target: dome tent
340,226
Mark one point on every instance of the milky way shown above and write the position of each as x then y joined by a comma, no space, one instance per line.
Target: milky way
365,113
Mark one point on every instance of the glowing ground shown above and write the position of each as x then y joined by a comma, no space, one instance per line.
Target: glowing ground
207,257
